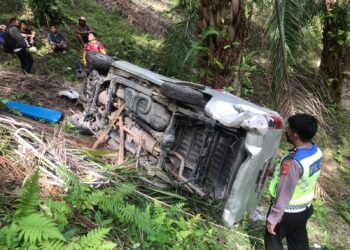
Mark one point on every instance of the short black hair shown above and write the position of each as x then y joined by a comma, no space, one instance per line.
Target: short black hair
13,19
53,25
304,125
93,32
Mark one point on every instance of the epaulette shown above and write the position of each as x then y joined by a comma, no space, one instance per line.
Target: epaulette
291,154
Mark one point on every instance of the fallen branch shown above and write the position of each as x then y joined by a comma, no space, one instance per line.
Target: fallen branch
121,142
102,137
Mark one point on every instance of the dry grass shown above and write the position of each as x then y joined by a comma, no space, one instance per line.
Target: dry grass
16,164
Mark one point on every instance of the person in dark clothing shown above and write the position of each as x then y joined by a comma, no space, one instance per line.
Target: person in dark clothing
27,33
20,50
293,187
56,40
82,30
2,34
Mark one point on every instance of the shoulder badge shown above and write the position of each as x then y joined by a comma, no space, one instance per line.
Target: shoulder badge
286,164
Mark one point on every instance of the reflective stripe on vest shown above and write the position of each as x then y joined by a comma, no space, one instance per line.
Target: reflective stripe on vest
310,161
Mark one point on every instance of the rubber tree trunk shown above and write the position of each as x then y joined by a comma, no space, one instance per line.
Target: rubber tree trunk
334,47
223,28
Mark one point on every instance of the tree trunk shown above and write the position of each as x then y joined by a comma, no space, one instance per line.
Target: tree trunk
334,46
225,43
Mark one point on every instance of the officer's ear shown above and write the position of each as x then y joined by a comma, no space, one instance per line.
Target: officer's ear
295,136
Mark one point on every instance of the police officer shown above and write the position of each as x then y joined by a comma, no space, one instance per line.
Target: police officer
293,186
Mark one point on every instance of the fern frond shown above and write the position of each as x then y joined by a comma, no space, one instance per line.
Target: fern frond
96,197
8,237
127,213
37,227
111,204
143,220
124,190
68,176
107,245
97,234
58,211
159,213
28,201
29,247
52,245
95,239
114,202
193,222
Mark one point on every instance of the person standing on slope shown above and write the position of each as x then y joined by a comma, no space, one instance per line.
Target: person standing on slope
293,186
20,46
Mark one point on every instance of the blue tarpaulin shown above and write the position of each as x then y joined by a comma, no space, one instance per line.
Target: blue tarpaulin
35,112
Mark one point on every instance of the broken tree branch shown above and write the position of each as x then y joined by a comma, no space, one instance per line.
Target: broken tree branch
102,137
121,141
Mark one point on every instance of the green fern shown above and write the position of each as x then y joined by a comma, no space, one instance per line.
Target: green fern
58,211
68,176
193,222
28,200
29,247
8,237
124,190
126,213
95,239
53,245
37,227
159,213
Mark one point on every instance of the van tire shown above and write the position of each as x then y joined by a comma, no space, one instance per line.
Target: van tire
182,93
99,61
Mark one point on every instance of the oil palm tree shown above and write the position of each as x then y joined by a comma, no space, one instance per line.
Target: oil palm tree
335,45
214,33
290,16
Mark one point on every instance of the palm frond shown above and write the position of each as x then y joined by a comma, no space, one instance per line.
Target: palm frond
306,101
284,38
178,49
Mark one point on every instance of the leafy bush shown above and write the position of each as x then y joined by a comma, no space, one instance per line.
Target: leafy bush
34,229
130,219
46,12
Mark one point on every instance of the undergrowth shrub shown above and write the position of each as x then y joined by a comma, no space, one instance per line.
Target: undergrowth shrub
115,213
46,12
33,228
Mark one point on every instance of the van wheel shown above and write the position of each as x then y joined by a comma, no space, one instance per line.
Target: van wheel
99,61
182,93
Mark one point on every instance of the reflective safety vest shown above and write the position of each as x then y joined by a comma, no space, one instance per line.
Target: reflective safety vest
309,160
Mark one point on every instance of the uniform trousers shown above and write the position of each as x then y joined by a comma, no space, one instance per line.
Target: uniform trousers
293,228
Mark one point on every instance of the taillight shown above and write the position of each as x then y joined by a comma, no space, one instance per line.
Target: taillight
278,122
